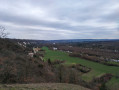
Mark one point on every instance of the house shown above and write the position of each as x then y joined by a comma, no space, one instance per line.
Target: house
30,54
24,43
113,60
116,60
54,48
35,50
67,51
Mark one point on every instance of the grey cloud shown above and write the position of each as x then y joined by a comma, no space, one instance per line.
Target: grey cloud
63,18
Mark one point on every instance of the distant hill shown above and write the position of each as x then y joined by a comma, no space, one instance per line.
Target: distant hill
79,40
61,41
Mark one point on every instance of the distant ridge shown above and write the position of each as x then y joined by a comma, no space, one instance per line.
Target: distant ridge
79,40
63,40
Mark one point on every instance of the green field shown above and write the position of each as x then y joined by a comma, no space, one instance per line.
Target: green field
113,84
97,68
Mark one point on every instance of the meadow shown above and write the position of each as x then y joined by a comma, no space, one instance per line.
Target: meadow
97,68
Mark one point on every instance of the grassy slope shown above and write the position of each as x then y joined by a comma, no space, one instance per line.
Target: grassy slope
97,69
42,86
113,84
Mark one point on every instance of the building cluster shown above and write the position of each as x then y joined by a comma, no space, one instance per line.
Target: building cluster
54,48
35,50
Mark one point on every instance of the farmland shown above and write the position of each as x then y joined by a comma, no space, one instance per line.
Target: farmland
97,68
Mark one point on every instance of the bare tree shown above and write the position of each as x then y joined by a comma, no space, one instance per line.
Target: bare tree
3,34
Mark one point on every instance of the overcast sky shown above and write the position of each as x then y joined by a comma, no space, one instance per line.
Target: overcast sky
60,19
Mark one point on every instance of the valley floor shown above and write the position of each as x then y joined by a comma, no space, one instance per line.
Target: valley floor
97,68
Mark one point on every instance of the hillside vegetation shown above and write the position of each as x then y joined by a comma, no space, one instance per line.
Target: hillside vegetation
17,67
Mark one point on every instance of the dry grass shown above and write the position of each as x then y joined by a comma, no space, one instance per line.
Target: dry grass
42,86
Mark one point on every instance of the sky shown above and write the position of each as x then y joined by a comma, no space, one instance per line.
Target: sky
60,19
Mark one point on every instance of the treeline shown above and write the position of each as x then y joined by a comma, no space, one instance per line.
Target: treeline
96,55
105,45
100,53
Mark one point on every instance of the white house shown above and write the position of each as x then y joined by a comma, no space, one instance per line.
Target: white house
30,54
54,48
35,50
